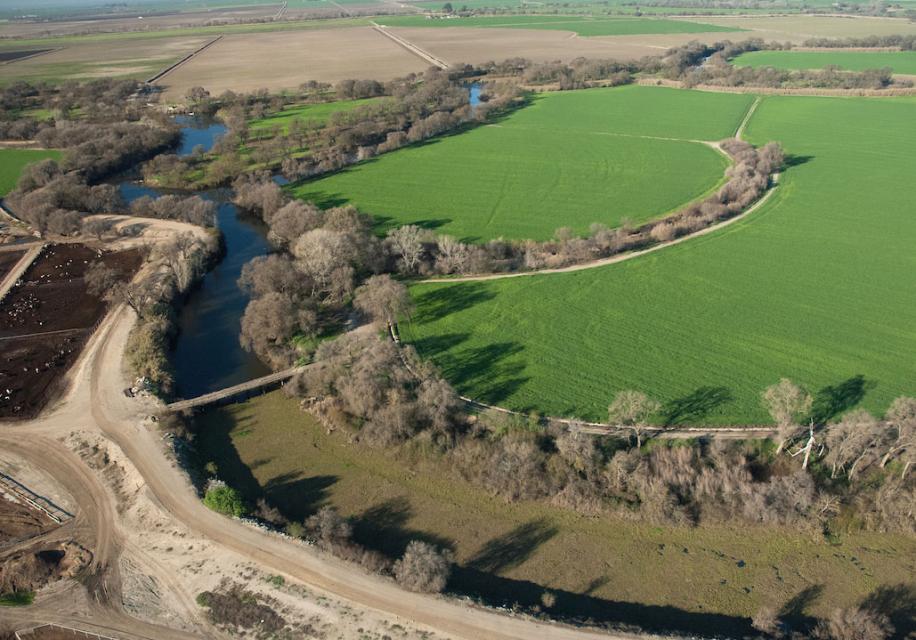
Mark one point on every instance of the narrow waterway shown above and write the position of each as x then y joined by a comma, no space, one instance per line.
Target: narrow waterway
207,355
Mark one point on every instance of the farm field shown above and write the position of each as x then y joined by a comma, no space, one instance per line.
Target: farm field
569,159
903,62
12,162
813,286
582,25
479,45
286,59
89,59
703,579
799,28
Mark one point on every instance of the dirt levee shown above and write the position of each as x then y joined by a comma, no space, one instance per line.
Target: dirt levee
245,62
466,44
44,322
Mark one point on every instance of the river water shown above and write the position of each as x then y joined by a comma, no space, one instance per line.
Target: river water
207,355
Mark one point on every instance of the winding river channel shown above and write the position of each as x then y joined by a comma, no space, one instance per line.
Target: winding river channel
207,355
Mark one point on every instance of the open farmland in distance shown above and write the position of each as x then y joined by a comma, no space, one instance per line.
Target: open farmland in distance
97,57
816,286
607,568
582,25
798,28
568,159
285,59
12,161
903,62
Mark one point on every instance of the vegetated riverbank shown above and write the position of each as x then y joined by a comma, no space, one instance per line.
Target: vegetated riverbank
704,580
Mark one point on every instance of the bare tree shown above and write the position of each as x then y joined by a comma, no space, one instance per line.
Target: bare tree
788,404
407,243
902,418
423,568
767,622
850,441
100,279
329,527
383,299
454,257
632,409
96,227
855,623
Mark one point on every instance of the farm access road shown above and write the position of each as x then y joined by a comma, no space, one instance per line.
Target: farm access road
94,403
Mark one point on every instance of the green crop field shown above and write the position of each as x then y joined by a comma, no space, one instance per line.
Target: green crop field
900,61
12,162
609,568
569,159
306,113
583,25
815,286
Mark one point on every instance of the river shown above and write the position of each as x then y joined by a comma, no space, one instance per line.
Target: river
206,355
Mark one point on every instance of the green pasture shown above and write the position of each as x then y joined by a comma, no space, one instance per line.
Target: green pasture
319,112
568,159
900,61
583,25
12,162
706,579
816,286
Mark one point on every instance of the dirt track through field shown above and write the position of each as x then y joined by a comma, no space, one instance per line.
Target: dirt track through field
414,49
171,68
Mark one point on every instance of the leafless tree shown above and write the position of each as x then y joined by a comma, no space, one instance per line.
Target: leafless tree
632,409
454,257
383,299
423,568
855,623
787,404
902,418
407,243
850,441
329,527
96,227
767,622
100,279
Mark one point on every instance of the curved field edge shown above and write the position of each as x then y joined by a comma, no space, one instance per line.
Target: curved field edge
812,287
602,566
568,159
902,62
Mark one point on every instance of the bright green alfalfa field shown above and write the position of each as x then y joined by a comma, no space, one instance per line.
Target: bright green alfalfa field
568,159
582,25
903,62
12,161
816,286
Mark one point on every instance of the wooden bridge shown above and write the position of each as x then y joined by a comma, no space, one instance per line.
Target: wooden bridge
243,390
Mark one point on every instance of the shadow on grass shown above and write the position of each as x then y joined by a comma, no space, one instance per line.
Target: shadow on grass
486,372
833,400
435,304
513,548
383,527
696,405
794,161
296,496
587,609
898,603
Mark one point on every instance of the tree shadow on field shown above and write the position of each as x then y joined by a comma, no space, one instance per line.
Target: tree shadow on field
485,372
794,161
512,548
833,400
382,527
795,610
696,405
898,603
437,303
324,199
298,498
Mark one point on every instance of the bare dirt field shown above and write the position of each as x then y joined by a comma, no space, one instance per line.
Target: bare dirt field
131,57
45,320
467,44
796,29
109,24
8,260
279,60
